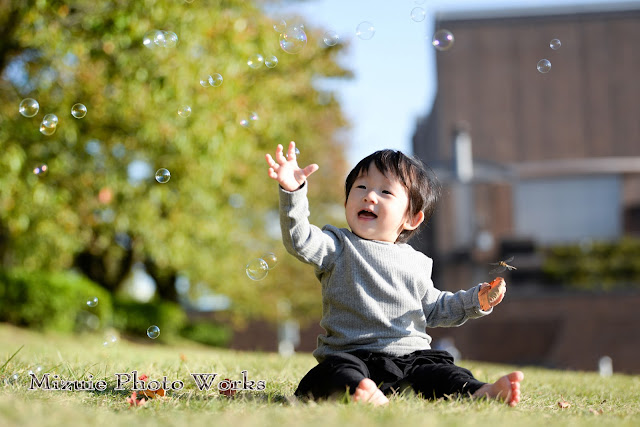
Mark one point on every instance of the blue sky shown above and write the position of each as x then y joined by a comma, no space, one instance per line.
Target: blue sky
394,82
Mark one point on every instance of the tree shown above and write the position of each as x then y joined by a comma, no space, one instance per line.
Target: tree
99,207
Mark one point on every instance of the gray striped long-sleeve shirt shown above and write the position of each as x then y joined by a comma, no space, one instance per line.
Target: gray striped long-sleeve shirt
376,296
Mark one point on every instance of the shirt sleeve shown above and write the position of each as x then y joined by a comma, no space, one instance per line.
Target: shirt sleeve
302,239
448,309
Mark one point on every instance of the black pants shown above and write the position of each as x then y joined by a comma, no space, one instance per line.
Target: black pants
430,373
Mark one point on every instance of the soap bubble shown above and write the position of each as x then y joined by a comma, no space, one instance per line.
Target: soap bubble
544,66
41,170
50,120
149,40
365,30
215,80
78,111
418,14
184,111
170,39
271,61
244,123
257,269
48,131
153,332
293,39
555,44
331,38
271,259
296,152
163,176
92,302
442,40
109,340
255,61
254,117
49,124
29,107
280,26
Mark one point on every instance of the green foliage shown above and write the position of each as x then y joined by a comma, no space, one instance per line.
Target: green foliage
51,301
596,265
208,333
135,318
61,53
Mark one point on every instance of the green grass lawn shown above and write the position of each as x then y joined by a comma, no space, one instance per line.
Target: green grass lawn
593,400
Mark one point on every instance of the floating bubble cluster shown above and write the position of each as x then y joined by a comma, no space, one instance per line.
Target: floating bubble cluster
213,80
49,124
365,30
163,176
29,107
442,40
293,39
78,111
160,38
153,332
544,66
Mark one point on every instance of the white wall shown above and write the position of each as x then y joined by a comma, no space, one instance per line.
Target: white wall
566,210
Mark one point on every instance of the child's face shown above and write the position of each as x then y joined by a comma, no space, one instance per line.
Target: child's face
377,207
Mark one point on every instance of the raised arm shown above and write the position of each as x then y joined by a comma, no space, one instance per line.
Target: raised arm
285,169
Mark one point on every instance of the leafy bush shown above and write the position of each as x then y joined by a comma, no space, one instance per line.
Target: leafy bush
208,333
51,301
134,318
595,265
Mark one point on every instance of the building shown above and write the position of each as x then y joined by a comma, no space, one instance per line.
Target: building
531,159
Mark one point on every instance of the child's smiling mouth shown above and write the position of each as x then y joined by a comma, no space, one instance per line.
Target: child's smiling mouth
365,214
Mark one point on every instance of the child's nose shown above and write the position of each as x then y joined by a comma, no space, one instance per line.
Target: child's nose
370,196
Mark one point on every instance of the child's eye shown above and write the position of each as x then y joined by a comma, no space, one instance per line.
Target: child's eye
361,186
387,192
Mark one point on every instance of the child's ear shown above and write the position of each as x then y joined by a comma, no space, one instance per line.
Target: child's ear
414,222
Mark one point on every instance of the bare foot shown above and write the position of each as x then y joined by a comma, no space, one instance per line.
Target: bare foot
507,388
368,392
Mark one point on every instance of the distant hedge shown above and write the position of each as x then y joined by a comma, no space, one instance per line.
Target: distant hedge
134,318
595,265
208,333
52,301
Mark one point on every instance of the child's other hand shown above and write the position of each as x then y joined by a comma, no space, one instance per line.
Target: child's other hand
286,171
491,294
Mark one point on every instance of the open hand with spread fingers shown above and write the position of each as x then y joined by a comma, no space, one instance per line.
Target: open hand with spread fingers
285,169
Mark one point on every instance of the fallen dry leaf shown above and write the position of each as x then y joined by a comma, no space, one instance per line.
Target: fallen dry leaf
230,392
134,401
563,404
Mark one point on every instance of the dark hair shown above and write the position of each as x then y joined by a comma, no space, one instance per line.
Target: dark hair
422,186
